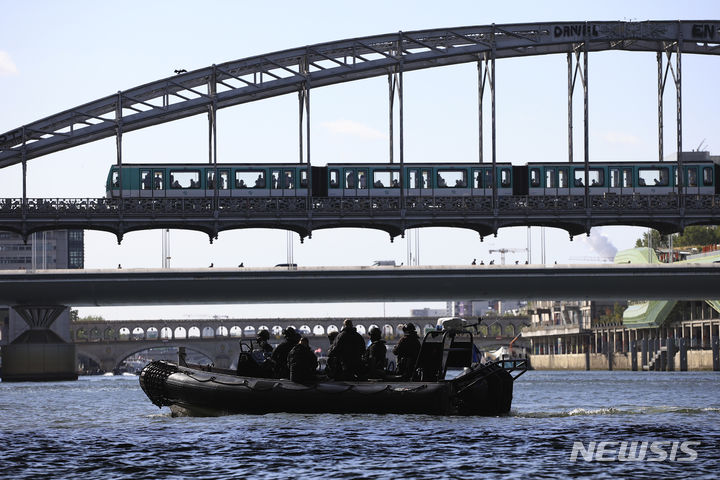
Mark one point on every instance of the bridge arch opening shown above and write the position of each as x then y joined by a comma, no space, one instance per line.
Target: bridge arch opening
193,332
263,327
318,330
208,332
166,333
388,331
138,333
152,333
235,331
222,331
180,333
305,330
109,334
249,331
124,333
277,331
361,329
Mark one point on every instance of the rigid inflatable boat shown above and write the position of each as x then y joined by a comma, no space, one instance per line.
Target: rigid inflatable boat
479,389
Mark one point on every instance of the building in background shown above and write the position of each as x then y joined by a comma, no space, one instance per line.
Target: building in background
43,250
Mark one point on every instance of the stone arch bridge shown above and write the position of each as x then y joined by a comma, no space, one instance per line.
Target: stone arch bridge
109,343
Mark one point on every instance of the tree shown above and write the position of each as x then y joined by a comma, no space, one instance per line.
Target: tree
695,235
658,241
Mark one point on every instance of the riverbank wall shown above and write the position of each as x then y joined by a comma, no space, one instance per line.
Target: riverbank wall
697,360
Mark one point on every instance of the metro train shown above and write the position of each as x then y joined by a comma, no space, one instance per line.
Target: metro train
150,180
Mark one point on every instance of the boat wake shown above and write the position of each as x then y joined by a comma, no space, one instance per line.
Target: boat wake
641,410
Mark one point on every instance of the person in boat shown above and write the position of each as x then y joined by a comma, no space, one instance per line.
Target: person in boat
280,354
348,350
302,362
376,355
332,367
407,350
263,344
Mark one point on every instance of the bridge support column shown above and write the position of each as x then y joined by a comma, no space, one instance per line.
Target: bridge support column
633,355
683,355
716,353
39,353
644,352
671,350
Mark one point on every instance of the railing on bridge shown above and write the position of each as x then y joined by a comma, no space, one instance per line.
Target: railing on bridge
667,213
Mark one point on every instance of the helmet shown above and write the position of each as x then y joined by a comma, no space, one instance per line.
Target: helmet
374,333
409,328
263,334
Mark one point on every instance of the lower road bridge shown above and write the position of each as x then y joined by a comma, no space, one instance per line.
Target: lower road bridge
109,343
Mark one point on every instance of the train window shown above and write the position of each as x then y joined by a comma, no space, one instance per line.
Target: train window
692,177
707,176
350,179
563,181
596,177
550,178
145,180
488,178
303,179
158,180
505,177
250,179
184,179
334,178
115,179
275,179
362,178
386,179
534,177
653,177
222,184
452,178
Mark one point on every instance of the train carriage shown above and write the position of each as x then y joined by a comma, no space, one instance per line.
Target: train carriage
622,178
419,180
199,180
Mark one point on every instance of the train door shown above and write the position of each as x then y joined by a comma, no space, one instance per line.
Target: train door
146,184
413,182
691,180
709,186
223,186
362,182
505,187
333,181
535,186
488,181
563,181
158,183
476,182
550,183
621,180
349,182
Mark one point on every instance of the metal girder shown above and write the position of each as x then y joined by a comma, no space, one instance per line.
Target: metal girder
283,72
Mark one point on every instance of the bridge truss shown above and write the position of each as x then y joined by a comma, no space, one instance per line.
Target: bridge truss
299,70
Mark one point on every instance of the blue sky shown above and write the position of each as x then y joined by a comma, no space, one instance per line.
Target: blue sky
56,55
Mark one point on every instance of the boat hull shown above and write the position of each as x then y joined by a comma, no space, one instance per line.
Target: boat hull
194,392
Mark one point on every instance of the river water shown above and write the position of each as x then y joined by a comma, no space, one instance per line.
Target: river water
105,427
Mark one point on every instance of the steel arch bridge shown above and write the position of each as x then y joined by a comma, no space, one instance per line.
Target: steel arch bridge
206,90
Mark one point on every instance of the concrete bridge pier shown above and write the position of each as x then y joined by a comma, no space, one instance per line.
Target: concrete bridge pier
38,352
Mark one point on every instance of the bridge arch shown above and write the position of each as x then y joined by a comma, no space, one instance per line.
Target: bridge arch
296,70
